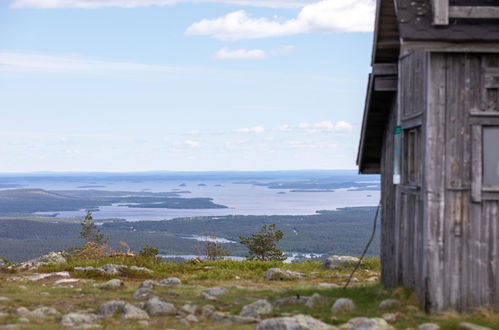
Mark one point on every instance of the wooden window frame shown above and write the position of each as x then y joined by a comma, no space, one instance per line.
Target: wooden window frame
412,156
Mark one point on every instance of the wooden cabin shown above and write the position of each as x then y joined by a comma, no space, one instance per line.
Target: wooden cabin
431,129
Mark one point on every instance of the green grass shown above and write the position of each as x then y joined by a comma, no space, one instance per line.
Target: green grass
244,282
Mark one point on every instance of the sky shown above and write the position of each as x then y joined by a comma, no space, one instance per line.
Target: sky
182,85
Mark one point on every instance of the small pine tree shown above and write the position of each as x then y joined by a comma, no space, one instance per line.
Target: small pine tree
148,251
214,250
89,231
263,246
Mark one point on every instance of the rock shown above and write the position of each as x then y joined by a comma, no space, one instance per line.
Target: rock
278,274
144,323
111,307
3,299
10,326
391,317
372,279
206,296
143,294
429,326
389,304
297,322
329,285
241,319
140,269
51,258
43,312
23,320
83,269
471,326
42,276
364,323
215,291
73,319
336,262
156,307
343,305
314,301
130,312
111,269
191,318
66,281
171,281
148,284
86,326
207,310
189,309
113,284
256,309
22,310
217,316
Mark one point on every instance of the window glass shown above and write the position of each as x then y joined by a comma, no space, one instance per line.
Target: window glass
491,156
412,161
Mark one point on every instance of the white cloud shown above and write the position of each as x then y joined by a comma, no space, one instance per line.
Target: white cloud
192,143
240,54
92,4
324,16
343,126
254,130
319,127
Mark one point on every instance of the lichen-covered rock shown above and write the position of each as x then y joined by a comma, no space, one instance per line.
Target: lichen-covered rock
43,312
215,291
148,284
51,258
207,310
143,294
130,312
343,305
206,296
314,301
111,307
113,284
73,319
171,281
189,309
391,317
83,269
335,262
389,304
256,309
111,269
278,274
364,323
140,269
45,276
297,322
156,307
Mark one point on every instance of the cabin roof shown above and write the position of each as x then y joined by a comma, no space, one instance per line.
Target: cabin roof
414,20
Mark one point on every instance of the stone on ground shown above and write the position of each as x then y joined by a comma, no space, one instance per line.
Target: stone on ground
343,305
143,294
335,262
111,269
189,309
43,312
206,296
215,291
140,269
278,274
156,307
130,312
207,310
314,301
113,284
43,276
297,322
364,323
51,258
111,307
73,319
256,309
471,326
148,284
429,326
389,304
170,281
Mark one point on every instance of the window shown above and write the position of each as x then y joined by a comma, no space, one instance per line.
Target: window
491,156
412,157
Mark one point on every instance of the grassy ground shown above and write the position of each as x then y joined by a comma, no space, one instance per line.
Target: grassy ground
243,280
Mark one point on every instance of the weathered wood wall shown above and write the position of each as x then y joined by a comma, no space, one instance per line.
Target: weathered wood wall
440,233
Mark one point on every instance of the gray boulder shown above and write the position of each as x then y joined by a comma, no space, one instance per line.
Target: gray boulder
335,262
471,326
43,312
111,307
113,284
143,294
111,269
364,323
256,309
73,319
156,307
189,309
84,269
314,301
343,305
206,296
389,304
130,312
278,274
148,284
140,269
171,281
54,258
297,322
215,291
207,310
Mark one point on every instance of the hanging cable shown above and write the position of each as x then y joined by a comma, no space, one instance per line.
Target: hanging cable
366,248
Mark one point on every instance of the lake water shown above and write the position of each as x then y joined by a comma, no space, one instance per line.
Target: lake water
240,198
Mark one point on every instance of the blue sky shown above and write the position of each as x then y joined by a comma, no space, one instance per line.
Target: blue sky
136,85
